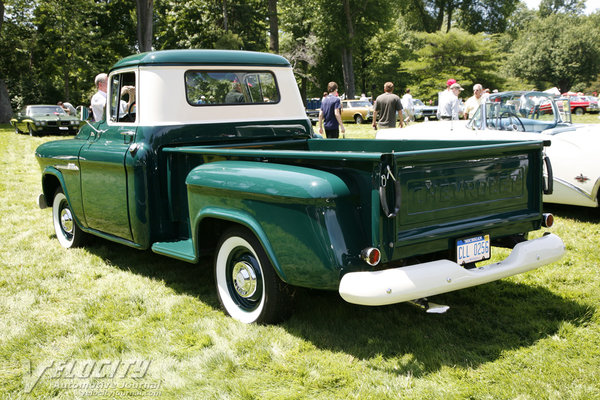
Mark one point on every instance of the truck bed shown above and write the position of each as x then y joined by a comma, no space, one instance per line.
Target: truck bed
436,193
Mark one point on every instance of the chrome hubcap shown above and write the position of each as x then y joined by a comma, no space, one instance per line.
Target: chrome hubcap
244,279
66,220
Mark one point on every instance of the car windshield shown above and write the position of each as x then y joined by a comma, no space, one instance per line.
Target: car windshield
45,110
359,104
418,102
524,112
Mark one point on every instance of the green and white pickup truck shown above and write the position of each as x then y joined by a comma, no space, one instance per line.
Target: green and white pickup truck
215,156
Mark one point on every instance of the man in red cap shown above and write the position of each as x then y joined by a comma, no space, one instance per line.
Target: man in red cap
448,102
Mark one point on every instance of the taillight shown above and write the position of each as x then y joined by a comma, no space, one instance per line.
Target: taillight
547,220
371,255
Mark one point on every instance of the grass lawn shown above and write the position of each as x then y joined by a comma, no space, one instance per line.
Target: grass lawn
107,321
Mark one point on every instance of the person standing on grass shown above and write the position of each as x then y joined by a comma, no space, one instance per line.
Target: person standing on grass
99,99
330,115
387,106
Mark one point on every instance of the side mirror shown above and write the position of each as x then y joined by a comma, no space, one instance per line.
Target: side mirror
84,113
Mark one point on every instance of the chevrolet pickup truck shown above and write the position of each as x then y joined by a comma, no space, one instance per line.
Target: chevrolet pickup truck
214,155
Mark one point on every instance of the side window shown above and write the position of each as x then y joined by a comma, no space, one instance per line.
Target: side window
123,107
230,87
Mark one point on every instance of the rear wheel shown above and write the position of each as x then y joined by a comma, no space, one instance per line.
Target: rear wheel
67,231
248,287
358,119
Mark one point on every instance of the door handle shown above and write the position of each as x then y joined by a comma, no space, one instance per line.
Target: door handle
128,133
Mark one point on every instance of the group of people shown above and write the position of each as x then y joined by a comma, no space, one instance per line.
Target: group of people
449,103
387,106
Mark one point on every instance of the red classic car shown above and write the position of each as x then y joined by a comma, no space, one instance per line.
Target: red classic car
580,104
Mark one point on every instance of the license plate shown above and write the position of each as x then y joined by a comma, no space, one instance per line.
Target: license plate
473,249
63,128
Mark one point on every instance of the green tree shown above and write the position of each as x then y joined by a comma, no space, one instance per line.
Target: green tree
560,50
457,54
299,44
231,24
345,26
474,16
549,7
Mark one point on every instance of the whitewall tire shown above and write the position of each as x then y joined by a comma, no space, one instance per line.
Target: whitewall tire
248,287
67,231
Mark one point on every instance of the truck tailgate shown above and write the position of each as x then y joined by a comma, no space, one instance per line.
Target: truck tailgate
439,197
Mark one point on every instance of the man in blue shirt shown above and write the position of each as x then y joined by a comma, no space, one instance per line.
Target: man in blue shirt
330,115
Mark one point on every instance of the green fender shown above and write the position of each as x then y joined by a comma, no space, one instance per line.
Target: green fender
268,179
49,190
245,192
242,218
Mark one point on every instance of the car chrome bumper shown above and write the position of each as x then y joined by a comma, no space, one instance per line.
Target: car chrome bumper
421,280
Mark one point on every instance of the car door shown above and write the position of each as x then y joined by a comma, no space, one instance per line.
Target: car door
346,112
102,160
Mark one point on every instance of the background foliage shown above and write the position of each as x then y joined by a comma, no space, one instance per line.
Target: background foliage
51,50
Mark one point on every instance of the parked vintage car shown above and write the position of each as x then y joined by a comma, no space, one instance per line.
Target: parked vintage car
573,149
357,111
313,108
593,107
39,119
422,111
579,104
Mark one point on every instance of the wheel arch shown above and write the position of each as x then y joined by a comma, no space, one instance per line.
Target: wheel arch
52,179
211,222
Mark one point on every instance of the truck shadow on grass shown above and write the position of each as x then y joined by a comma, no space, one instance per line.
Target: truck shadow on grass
576,213
481,324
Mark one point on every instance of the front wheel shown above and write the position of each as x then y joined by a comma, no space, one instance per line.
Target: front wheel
67,231
579,111
358,119
248,287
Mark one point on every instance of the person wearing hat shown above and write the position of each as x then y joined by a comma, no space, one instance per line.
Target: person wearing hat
449,103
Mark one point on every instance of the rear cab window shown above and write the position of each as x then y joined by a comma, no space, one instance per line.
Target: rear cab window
205,88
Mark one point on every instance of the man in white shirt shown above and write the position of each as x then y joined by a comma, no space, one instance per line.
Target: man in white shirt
99,99
449,103
472,104
407,106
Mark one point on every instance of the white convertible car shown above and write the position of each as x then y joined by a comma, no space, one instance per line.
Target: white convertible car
574,151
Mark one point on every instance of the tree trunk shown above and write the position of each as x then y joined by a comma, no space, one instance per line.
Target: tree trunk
225,15
5,107
348,71
145,10
273,27
347,65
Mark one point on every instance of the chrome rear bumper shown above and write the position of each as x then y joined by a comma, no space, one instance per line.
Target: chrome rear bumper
421,280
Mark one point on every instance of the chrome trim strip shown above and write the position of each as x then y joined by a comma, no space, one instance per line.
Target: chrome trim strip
68,167
573,187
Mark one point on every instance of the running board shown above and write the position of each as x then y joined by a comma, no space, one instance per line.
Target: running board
428,307
181,249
